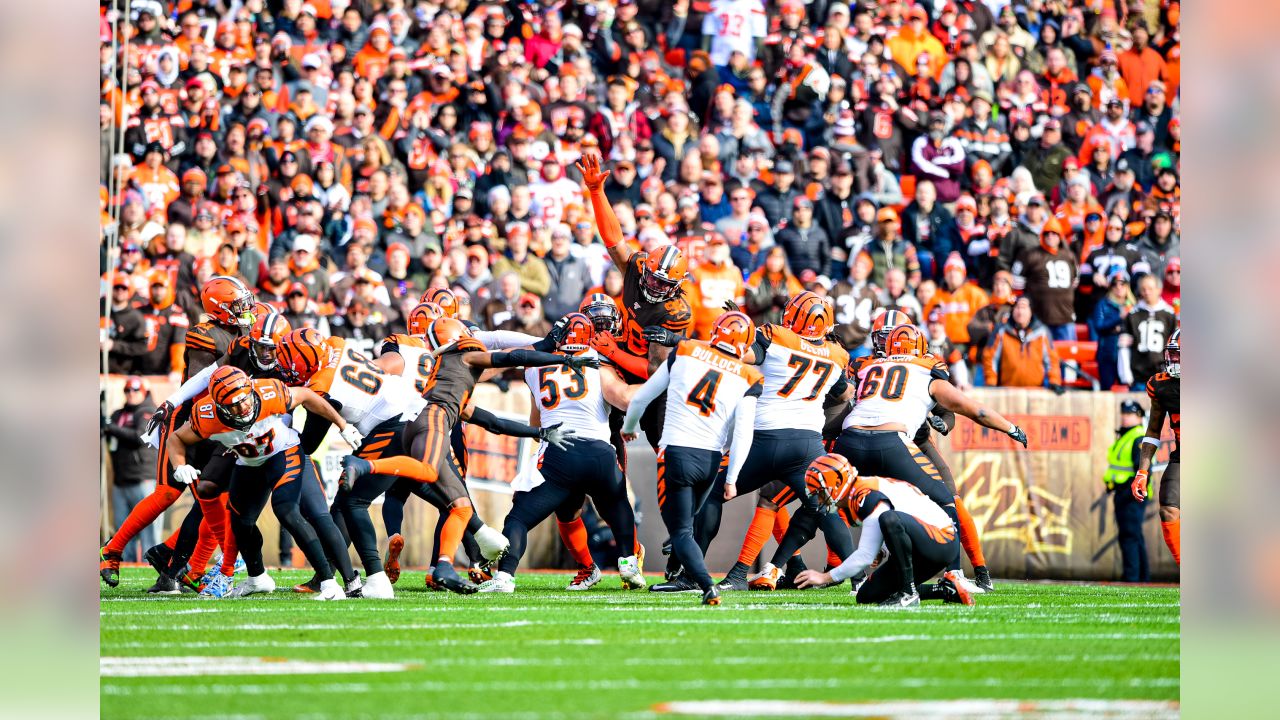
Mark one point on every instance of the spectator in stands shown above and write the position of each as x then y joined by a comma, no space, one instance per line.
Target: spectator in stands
166,325
359,327
1024,237
532,271
133,462
1046,159
570,277
1157,246
1021,353
897,295
125,340
957,301
992,315
1052,275
528,317
888,250
301,312
1147,328
501,306
807,245
770,286
717,281
939,158
930,228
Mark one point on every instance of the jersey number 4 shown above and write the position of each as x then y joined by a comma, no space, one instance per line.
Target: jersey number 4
803,365
551,389
894,382
703,394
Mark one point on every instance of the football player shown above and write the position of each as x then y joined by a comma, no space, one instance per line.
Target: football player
228,304
252,419
461,360
710,389
919,535
1164,389
579,399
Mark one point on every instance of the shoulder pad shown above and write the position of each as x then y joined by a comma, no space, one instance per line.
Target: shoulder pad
469,344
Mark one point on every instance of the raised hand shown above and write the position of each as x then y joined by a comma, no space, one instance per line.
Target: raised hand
592,174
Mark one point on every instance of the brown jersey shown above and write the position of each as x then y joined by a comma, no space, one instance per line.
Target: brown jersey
1166,389
638,313
452,380
206,343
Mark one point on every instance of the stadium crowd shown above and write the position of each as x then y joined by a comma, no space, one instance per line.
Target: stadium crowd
1006,173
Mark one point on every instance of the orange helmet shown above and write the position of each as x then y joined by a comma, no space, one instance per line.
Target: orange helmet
422,315
228,302
444,331
234,399
268,329
882,324
443,297
664,269
829,479
733,333
301,353
906,340
603,312
1173,354
577,334
808,315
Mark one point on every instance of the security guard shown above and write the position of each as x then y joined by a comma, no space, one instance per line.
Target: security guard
1122,463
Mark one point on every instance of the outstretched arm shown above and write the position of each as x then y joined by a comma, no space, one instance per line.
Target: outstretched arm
606,221
526,358
952,399
314,404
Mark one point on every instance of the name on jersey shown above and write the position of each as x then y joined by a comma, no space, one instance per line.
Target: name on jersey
714,360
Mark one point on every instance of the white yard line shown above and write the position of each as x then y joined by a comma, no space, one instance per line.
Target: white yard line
1131,709
191,666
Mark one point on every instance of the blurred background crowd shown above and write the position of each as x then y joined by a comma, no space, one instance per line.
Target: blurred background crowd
1004,172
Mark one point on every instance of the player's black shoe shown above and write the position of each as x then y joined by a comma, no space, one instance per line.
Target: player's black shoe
982,578
735,580
901,599
787,582
158,557
353,468
711,596
449,579
109,567
310,586
165,585
679,583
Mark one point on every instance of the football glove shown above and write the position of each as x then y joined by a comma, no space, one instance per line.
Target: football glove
558,330
1018,434
185,474
938,424
578,362
731,306
1140,486
662,336
160,417
352,436
553,435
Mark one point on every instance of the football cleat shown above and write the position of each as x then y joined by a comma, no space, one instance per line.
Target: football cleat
961,581
310,586
982,578
355,588
165,585
158,557
330,590
195,584
353,468
500,583
109,567
629,569
217,587
736,579
479,573
680,583
586,578
493,544
711,596
253,585
391,563
377,587
766,579
953,591
449,579
431,584
901,599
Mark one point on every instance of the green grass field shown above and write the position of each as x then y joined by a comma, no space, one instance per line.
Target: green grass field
607,653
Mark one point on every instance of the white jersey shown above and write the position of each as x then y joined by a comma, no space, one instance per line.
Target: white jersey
418,360
368,395
895,390
272,433
734,25
552,198
706,386
575,399
903,496
798,375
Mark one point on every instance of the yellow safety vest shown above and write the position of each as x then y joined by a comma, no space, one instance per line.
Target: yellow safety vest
1120,469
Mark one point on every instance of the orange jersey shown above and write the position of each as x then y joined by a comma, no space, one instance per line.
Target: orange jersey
714,285
160,186
958,308
271,433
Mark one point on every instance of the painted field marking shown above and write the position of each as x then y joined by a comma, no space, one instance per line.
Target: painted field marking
1128,709
189,666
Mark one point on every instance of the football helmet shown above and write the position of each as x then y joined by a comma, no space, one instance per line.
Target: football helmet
268,329
444,331
829,479
733,333
603,313
577,334
1173,354
228,302
664,269
301,353
906,340
808,315
443,297
882,324
421,316
234,399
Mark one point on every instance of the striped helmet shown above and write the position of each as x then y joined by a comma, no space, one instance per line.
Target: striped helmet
906,340
733,333
808,315
268,329
227,301
444,331
882,324
234,399
603,312
664,269
829,479
443,297
421,316
301,354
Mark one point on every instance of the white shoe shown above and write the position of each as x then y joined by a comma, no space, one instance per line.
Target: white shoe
766,579
629,569
330,590
493,544
252,586
957,577
501,583
586,578
377,587
355,588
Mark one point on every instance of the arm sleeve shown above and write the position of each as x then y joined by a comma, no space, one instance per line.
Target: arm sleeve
744,423
505,339
652,388
193,387
868,545
525,358
633,364
606,220
501,426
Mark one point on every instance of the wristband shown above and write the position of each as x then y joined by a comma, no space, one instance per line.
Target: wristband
1151,441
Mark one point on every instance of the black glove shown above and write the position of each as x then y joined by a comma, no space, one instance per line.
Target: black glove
558,330
1057,389
731,306
578,362
503,384
160,417
1018,434
780,301
938,424
662,336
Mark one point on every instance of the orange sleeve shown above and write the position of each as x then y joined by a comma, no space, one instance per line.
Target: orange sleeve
606,220
633,364
1055,371
176,360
